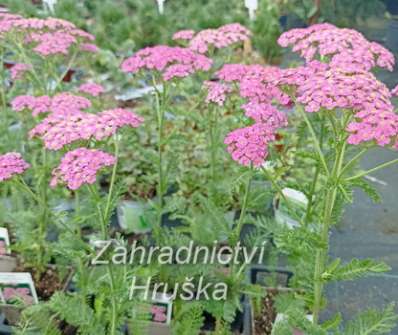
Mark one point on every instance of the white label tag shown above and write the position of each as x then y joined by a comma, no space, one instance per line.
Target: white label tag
4,241
252,6
50,5
161,6
17,286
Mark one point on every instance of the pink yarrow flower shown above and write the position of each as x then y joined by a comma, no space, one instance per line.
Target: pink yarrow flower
12,164
62,103
184,35
80,166
45,37
171,62
344,48
92,89
357,92
219,38
249,145
18,70
216,92
61,129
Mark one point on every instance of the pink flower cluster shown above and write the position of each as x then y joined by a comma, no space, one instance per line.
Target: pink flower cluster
92,89
219,38
47,44
159,313
360,92
171,62
12,164
80,166
23,293
46,37
216,92
184,35
345,48
249,145
58,130
62,103
18,70
258,85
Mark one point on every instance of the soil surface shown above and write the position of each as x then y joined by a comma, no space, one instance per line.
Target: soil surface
46,283
264,320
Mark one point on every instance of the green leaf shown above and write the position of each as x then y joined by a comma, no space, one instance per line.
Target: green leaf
355,269
373,322
367,188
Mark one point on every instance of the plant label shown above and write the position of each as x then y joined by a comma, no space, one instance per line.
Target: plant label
50,5
4,242
252,6
161,6
161,309
17,288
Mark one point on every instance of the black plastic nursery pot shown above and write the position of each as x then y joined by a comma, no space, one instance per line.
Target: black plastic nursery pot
5,328
241,324
263,323
258,275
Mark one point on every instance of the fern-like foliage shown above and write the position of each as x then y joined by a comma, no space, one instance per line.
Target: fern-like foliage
373,322
356,268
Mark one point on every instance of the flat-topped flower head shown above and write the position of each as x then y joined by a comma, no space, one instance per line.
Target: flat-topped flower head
45,37
342,47
65,103
266,114
256,83
60,129
37,105
171,62
184,35
92,89
249,145
18,70
80,166
235,72
109,121
216,92
357,92
219,38
12,164
61,103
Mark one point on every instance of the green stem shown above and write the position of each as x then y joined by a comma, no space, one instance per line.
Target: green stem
379,167
353,160
315,139
20,182
160,110
243,211
104,218
63,74
314,182
322,251
213,146
111,188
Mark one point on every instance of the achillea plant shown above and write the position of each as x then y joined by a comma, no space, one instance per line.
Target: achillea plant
346,111
165,64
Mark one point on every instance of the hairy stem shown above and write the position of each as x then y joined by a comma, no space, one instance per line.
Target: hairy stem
322,251
243,211
160,98
315,139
